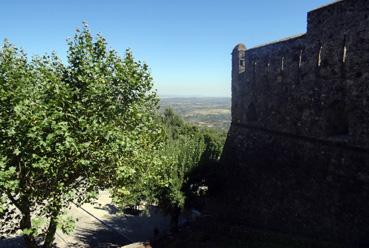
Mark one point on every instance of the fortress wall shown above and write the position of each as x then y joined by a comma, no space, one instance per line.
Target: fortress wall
342,30
298,146
271,75
298,85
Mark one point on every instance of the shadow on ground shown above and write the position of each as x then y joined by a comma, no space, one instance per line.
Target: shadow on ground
101,238
110,208
16,242
124,229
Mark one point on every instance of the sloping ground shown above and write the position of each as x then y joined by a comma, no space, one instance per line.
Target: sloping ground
9,219
209,233
100,225
214,230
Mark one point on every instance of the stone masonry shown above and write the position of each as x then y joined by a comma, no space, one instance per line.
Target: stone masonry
299,141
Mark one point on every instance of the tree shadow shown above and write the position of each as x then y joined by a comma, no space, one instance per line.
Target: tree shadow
125,229
16,242
101,238
110,208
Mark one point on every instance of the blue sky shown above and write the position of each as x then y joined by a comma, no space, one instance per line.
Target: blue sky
186,43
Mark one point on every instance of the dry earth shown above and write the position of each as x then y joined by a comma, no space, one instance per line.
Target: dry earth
100,225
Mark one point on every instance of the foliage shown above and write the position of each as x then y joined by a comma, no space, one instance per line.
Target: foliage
66,224
3,206
168,179
66,130
38,226
187,149
186,154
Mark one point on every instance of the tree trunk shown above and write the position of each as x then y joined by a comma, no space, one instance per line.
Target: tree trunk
26,224
49,239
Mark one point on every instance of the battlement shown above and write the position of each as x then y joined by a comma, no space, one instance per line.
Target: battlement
300,127
308,84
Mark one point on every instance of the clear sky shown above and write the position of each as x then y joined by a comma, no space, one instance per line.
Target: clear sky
186,43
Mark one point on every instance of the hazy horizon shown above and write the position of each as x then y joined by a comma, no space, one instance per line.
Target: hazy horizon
187,44
190,96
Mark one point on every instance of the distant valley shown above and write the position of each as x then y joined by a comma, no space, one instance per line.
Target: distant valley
213,112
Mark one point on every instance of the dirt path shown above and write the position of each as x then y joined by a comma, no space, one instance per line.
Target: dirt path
99,225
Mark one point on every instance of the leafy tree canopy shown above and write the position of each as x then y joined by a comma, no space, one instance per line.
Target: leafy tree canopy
68,129
187,148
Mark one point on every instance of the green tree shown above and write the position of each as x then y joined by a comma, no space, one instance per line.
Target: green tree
187,149
184,155
66,130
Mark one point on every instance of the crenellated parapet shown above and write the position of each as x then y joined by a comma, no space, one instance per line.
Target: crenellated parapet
300,128
312,85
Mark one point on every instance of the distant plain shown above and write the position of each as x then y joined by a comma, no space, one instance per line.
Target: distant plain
212,112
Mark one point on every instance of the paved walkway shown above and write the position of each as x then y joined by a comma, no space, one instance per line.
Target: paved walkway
99,225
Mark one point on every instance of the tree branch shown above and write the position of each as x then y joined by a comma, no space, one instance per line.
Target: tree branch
13,200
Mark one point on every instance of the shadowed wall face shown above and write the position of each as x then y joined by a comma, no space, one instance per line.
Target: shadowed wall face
300,128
